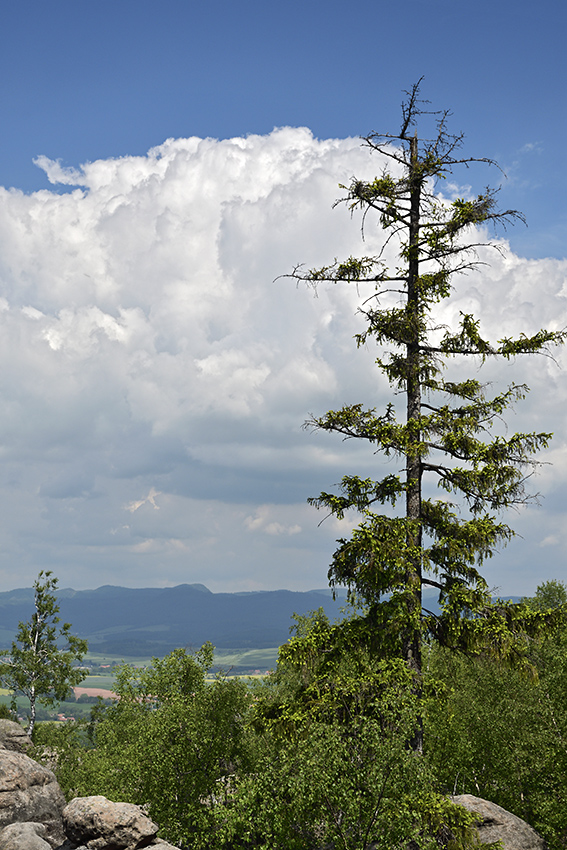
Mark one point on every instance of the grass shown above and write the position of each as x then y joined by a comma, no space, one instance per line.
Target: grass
98,659
106,682
262,659
225,659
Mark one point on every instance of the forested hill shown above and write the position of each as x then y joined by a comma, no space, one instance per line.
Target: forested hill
153,621
146,621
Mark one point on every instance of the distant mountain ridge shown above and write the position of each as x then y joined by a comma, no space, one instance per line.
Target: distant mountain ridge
146,621
153,621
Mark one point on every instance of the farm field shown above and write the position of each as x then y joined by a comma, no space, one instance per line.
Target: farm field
230,661
105,682
101,679
252,660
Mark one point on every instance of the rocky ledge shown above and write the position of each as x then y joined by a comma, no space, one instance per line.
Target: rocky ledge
34,816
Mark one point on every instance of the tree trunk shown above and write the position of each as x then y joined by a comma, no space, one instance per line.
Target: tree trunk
412,638
31,724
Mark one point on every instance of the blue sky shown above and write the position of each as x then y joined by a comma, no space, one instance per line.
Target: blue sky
153,378
88,80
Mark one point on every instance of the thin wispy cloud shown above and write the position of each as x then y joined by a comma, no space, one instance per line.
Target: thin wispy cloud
149,500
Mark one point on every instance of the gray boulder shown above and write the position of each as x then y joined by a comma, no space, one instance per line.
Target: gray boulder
13,737
29,792
100,824
24,836
495,823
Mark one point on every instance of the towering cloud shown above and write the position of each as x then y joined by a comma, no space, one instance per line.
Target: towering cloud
155,373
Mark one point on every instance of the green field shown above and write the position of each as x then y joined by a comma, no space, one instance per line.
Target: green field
239,660
233,662
262,659
105,681
98,660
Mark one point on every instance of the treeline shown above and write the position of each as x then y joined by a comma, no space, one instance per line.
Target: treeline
317,753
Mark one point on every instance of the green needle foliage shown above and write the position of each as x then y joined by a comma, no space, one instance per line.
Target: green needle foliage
447,431
37,666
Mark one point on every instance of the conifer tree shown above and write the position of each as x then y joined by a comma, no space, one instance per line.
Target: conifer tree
447,432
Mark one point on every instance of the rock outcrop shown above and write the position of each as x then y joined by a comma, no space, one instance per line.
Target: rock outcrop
13,737
24,836
99,824
29,793
496,824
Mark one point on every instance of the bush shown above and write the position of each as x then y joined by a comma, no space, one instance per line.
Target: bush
166,742
349,787
500,733
5,713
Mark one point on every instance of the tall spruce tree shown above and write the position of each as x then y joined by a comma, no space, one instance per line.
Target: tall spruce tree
448,430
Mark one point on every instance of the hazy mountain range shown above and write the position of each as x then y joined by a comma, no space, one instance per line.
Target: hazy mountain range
153,621
146,621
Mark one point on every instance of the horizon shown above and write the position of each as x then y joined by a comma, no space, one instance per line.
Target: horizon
339,591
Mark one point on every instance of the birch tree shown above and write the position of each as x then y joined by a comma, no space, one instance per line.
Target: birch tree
37,666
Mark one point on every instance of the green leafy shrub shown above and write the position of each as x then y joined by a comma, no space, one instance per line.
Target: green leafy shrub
6,713
350,787
501,734
167,742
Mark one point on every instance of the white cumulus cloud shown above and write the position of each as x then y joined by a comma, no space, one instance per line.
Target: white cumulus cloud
149,348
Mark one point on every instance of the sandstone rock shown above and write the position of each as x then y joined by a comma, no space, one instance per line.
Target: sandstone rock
24,836
70,845
495,823
13,737
101,824
29,792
